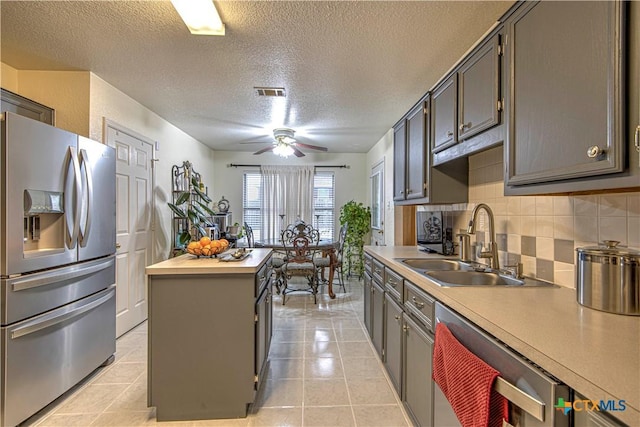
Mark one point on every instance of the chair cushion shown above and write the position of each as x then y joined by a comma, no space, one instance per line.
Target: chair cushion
322,262
277,262
294,266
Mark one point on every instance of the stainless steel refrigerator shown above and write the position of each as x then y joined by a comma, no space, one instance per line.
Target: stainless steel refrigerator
57,262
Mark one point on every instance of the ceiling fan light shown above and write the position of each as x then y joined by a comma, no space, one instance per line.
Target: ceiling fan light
200,16
283,150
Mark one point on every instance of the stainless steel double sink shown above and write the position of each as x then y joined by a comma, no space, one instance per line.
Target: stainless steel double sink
454,272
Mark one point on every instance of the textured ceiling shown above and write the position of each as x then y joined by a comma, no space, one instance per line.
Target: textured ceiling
351,69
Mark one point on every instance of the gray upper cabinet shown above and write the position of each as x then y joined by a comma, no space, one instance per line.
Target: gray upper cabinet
410,155
565,101
416,152
467,102
415,181
14,103
479,90
443,115
399,160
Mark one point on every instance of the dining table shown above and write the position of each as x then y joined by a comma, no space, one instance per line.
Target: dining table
328,247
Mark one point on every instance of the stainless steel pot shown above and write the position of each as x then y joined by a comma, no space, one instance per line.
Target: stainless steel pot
608,278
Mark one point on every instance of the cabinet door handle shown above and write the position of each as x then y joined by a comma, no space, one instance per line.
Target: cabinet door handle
636,139
450,133
397,317
594,151
417,303
392,283
409,191
377,270
464,126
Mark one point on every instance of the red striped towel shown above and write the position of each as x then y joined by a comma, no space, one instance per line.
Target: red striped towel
467,382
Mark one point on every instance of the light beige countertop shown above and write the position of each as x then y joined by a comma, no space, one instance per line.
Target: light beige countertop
190,264
595,353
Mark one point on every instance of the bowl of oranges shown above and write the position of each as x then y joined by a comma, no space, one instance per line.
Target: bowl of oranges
206,247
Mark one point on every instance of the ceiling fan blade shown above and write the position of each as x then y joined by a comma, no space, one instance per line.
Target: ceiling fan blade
256,142
313,147
297,152
264,150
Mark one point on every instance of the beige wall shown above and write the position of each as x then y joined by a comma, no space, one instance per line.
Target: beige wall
543,232
82,101
350,184
175,147
67,92
8,77
383,151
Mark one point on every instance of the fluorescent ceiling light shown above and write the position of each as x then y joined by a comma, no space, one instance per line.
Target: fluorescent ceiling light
200,16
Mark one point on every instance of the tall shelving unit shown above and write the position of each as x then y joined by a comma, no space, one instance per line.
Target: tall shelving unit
182,181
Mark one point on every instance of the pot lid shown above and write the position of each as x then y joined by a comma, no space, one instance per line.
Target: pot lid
609,247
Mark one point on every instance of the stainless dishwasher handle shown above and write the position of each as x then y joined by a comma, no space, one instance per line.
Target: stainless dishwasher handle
526,402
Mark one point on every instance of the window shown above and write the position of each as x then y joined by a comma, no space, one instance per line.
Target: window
323,203
252,202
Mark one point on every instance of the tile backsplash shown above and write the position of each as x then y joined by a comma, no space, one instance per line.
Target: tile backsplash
543,232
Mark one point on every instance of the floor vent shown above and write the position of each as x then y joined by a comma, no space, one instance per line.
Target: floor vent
270,91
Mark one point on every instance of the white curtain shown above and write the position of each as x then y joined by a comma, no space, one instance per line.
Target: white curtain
287,196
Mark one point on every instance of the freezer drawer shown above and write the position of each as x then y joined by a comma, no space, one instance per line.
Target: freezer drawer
29,295
46,355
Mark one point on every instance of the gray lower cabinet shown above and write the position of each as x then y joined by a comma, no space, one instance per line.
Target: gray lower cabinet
374,310
368,293
209,337
400,317
418,385
264,322
565,98
377,317
393,342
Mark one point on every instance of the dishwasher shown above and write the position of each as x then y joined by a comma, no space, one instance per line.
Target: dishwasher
531,392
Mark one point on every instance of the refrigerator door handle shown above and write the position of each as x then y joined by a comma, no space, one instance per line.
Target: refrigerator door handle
55,276
54,320
72,212
84,160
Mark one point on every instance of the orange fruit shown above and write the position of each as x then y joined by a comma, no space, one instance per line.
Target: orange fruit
205,241
193,245
224,242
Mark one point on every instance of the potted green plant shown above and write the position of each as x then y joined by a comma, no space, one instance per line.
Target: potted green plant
191,205
358,220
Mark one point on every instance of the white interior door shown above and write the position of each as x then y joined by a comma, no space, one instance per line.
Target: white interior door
134,207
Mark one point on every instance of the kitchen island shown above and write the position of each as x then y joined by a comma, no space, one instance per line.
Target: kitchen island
209,335
593,352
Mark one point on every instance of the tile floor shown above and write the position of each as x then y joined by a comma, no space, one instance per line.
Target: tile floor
323,371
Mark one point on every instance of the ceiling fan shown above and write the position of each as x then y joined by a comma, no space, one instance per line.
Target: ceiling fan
285,144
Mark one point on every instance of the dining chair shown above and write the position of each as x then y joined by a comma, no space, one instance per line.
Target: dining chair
249,232
300,249
323,262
